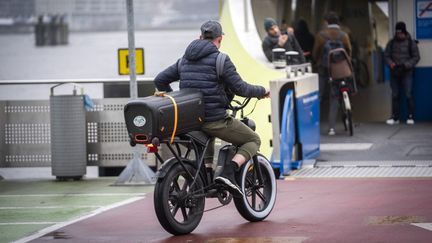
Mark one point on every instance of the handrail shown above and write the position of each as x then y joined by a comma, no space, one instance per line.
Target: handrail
75,85
57,81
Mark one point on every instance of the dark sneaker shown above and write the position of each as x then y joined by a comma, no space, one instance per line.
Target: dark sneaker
227,178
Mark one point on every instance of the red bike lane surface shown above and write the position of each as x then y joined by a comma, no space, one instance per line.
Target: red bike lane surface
306,210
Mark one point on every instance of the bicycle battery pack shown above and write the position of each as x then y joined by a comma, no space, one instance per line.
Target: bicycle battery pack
226,153
153,116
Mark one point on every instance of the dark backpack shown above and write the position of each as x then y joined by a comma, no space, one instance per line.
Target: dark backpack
220,63
330,45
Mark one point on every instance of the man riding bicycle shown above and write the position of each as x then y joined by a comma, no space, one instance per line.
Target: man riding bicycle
197,70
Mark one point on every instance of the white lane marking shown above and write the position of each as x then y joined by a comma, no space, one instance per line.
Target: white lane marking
49,207
345,146
427,226
75,195
63,224
27,223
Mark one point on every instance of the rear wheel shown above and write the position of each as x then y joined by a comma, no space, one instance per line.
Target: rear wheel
349,122
259,199
178,206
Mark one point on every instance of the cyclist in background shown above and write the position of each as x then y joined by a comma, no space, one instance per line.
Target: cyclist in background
331,32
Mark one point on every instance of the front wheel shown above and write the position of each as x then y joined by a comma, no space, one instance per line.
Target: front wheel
179,205
259,199
348,113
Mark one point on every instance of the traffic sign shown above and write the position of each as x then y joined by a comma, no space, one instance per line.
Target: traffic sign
423,19
123,61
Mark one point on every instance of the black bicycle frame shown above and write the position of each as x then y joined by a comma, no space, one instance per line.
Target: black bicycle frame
258,170
196,146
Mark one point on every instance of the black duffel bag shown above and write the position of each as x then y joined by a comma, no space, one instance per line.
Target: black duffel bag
164,115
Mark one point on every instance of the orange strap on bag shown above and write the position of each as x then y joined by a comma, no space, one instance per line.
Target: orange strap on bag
163,94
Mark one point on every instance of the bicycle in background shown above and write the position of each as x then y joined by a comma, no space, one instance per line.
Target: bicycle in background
342,83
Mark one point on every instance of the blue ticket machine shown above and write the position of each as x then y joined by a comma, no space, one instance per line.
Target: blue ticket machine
295,121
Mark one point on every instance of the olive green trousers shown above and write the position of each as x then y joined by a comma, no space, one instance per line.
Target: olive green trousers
233,131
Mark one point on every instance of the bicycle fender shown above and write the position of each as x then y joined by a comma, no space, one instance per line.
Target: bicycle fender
166,166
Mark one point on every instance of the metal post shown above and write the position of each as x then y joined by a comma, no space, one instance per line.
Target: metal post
246,15
131,56
136,172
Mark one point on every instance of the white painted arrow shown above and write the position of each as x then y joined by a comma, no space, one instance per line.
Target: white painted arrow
427,226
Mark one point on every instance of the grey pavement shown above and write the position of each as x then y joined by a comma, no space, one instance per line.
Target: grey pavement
397,142
376,150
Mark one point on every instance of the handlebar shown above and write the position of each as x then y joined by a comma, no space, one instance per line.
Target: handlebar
240,107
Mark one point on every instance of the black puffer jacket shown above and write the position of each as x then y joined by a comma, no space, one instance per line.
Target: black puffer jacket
198,71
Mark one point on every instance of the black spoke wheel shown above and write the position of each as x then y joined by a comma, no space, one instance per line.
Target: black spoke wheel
179,205
259,198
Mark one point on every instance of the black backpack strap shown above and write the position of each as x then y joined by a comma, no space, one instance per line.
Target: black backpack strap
179,62
220,63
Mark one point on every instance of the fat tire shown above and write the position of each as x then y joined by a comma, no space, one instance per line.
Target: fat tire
162,193
243,204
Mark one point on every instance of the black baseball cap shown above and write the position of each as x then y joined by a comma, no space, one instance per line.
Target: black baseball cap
211,29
